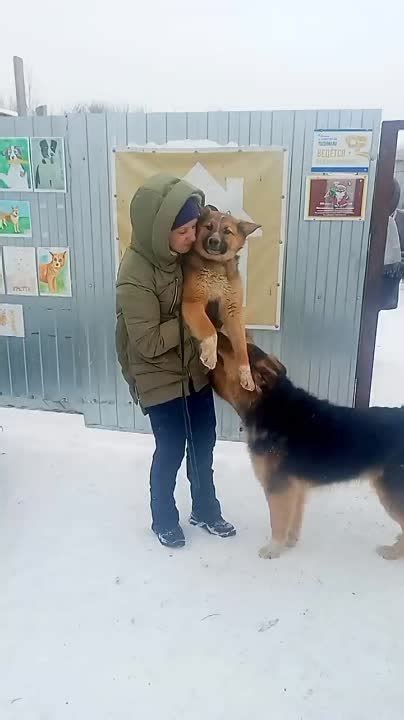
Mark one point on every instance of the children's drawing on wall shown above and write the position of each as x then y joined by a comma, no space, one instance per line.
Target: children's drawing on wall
48,164
11,320
20,270
15,218
2,283
15,164
54,272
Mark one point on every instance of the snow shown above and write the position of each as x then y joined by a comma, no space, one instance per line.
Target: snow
98,621
188,144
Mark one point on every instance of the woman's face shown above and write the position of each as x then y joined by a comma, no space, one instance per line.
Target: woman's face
181,239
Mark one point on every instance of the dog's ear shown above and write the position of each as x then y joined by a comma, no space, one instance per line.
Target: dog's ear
246,228
205,212
267,371
213,208
275,363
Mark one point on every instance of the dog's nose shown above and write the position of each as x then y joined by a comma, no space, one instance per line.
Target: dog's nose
214,243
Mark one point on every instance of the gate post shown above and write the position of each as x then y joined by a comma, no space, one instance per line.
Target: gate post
374,270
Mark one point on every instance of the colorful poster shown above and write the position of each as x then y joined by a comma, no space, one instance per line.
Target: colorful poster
48,164
54,272
250,183
341,151
341,197
15,165
2,283
11,320
15,218
20,270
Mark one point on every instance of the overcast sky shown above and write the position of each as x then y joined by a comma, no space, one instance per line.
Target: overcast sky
213,54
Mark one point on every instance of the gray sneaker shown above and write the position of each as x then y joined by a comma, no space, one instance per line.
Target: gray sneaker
173,538
217,527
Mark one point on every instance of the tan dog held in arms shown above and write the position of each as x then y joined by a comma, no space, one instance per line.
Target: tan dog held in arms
211,275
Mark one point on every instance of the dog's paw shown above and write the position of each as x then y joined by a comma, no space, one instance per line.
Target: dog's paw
292,540
246,379
272,550
209,351
391,552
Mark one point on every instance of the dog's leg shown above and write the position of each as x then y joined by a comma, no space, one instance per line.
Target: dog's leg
393,502
395,551
203,330
234,327
297,515
281,506
281,503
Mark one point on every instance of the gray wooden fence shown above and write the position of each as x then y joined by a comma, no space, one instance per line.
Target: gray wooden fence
67,359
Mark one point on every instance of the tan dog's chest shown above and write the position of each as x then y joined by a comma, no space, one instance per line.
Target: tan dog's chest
214,284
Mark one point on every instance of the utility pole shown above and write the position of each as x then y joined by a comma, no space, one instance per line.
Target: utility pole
20,85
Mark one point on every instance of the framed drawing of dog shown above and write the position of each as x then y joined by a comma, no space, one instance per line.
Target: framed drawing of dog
15,165
54,272
15,218
48,164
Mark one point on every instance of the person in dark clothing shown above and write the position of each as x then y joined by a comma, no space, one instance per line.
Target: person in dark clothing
399,219
393,270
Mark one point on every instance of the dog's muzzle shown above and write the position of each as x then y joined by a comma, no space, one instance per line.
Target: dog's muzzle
215,245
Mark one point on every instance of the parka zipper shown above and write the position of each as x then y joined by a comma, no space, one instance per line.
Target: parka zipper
172,306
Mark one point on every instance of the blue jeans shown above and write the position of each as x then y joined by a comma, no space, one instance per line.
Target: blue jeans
168,425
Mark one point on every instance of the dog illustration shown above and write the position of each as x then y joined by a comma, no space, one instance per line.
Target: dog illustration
211,275
46,171
12,217
49,272
338,195
16,177
4,220
297,441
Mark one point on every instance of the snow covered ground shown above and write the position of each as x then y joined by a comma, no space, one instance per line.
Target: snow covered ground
98,621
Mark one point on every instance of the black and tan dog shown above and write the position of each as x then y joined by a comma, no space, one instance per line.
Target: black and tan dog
211,275
297,441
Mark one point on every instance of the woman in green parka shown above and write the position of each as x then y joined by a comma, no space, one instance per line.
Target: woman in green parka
164,213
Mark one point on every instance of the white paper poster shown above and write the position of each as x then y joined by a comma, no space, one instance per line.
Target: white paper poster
341,151
20,270
11,320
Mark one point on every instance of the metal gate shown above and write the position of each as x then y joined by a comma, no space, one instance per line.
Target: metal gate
66,361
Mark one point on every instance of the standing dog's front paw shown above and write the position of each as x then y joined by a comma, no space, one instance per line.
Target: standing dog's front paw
246,379
272,550
209,351
292,539
391,552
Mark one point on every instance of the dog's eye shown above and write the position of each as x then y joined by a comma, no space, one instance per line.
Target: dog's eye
209,227
228,231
